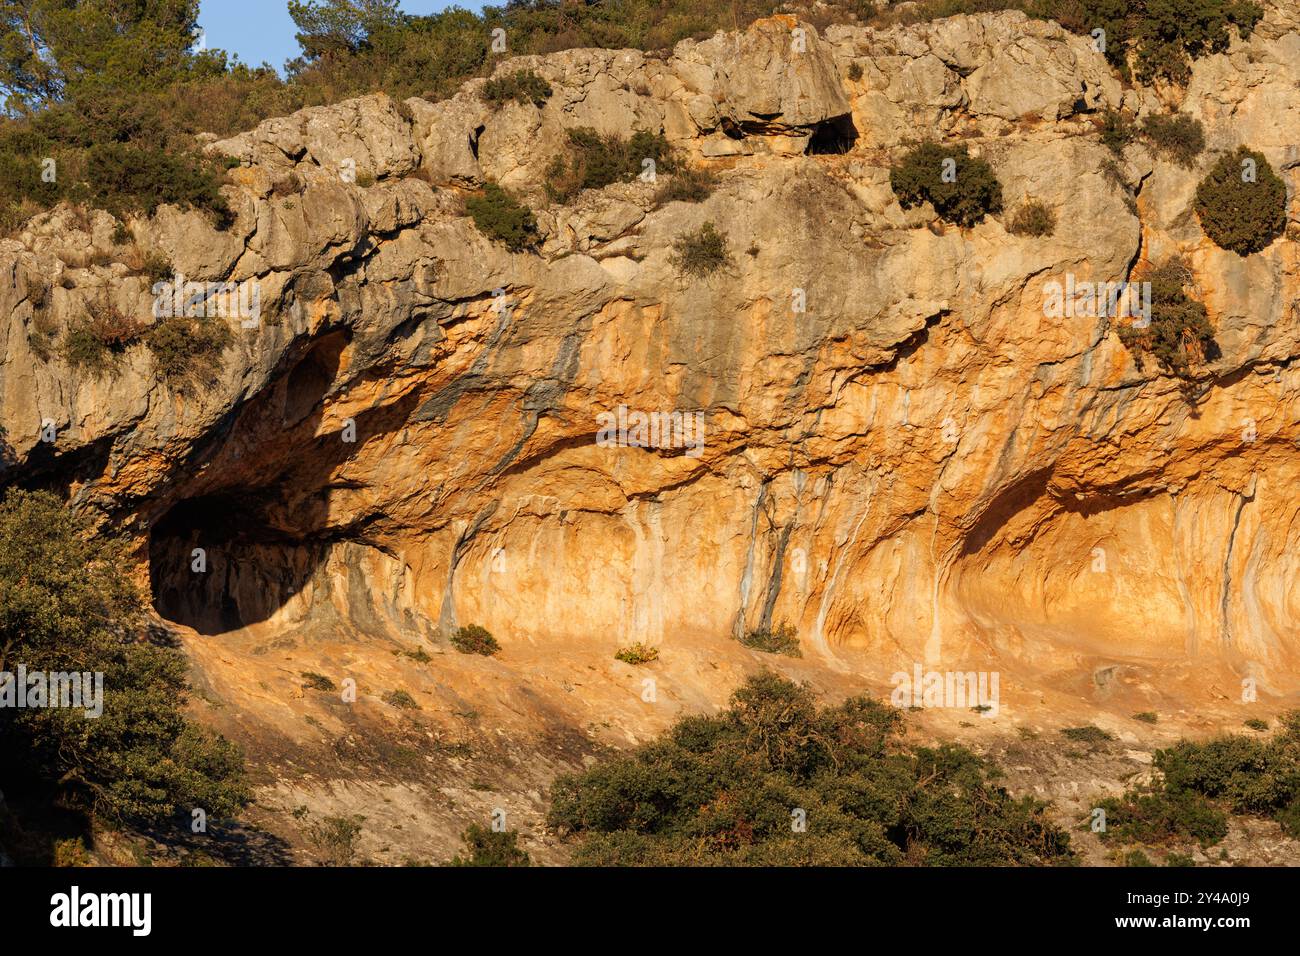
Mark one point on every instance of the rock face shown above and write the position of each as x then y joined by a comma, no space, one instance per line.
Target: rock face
900,454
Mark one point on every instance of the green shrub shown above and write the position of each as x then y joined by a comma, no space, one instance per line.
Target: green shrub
335,838
522,86
1289,818
1179,334
1254,723
1159,36
1237,214
187,350
1169,33
502,218
1199,781
1093,736
1179,860
962,190
68,603
593,161
1147,717
776,781
1117,131
1180,137
778,639
686,184
491,848
1137,858
401,700
95,343
1159,816
1033,218
700,253
156,267
638,653
313,681
474,639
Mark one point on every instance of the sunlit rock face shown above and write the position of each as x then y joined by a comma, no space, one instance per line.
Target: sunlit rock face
880,437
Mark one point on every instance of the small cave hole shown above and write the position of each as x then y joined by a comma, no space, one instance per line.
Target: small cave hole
833,137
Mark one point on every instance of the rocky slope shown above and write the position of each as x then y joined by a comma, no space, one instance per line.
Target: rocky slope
920,467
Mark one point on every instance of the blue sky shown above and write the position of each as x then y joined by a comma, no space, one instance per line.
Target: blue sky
261,31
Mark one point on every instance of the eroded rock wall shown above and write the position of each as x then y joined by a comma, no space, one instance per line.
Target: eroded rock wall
920,466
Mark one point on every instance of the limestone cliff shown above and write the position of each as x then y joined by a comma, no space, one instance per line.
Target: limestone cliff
918,466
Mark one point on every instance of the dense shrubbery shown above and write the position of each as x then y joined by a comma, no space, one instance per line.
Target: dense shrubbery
503,218
90,91
116,92
66,604
638,653
686,185
1242,202
593,161
963,190
93,344
700,253
775,639
1157,816
491,848
773,780
1180,137
187,350
1159,37
1200,783
522,86
1033,218
1179,334
475,639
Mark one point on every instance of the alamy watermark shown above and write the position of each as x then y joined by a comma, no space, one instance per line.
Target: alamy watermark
1098,300
70,690
219,300
635,429
968,690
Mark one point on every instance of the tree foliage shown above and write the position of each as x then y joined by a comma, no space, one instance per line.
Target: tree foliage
67,605
1199,784
503,218
1179,335
962,189
774,780
1242,203
486,847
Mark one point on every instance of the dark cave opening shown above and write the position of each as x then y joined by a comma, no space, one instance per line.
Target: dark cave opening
832,137
216,565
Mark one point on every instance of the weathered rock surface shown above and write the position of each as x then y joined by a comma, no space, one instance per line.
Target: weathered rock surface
919,466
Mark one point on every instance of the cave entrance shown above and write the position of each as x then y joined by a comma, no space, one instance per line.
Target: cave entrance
833,137
216,565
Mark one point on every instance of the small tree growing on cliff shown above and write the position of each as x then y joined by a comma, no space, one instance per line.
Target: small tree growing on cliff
1242,202
700,253
962,189
1179,334
521,86
503,218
